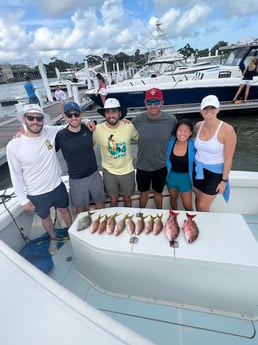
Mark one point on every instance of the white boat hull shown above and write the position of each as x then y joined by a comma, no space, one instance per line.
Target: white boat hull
198,293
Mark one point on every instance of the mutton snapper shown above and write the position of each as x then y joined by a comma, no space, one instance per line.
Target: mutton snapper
190,228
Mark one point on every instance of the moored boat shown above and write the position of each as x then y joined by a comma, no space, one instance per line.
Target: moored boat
222,80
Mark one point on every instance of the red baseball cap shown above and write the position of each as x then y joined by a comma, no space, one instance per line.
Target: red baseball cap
154,93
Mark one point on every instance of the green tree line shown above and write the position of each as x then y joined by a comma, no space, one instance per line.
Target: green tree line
138,59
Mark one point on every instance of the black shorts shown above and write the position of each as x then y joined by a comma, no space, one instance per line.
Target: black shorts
209,183
151,179
57,198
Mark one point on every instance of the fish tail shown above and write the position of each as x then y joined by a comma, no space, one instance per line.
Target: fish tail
173,213
190,215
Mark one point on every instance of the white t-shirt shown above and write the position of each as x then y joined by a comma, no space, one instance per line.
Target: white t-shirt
33,164
60,95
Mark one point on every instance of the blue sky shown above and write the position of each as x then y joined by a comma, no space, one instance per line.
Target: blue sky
71,29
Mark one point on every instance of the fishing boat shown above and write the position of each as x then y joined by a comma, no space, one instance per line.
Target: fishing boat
166,61
134,289
183,88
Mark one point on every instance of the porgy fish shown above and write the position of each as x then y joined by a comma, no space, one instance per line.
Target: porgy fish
130,224
103,225
149,225
140,225
111,223
172,227
95,224
85,222
190,228
158,225
120,226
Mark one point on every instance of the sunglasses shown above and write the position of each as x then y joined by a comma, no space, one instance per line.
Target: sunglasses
75,114
32,118
153,101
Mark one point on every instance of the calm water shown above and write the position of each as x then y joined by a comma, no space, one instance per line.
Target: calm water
16,90
245,124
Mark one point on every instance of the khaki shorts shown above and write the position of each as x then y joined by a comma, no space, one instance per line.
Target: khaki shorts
119,184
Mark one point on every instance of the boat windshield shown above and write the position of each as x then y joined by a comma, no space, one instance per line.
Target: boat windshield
236,55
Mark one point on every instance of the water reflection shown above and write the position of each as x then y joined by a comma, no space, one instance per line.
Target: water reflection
246,127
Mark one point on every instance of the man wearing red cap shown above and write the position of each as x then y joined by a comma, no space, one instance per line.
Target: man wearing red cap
155,128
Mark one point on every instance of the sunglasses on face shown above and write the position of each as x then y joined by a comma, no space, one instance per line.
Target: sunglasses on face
32,118
153,101
75,114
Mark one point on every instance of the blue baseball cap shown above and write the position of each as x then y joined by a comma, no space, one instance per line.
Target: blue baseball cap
71,106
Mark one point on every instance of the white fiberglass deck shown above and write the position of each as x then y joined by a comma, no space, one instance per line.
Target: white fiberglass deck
160,323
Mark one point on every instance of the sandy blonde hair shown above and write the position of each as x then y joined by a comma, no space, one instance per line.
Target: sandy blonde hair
252,63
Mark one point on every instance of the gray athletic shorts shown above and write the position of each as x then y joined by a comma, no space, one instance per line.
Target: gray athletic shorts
87,189
119,184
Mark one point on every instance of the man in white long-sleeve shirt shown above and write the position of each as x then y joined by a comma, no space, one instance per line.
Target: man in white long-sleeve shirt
35,170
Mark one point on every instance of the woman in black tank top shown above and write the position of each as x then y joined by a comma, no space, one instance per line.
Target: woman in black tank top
246,82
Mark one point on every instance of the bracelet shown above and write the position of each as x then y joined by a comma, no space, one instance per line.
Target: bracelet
224,180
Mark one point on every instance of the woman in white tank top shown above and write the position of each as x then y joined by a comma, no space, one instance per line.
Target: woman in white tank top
215,145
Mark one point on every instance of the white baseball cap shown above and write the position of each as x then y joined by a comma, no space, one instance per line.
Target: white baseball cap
211,101
32,108
112,103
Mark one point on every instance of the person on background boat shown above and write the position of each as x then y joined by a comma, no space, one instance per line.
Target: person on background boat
114,138
75,142
248,74
30,89
215,144
180,160
60,96
102,88
35,171
155,128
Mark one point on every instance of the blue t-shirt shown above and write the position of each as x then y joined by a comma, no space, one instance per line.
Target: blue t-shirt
29,87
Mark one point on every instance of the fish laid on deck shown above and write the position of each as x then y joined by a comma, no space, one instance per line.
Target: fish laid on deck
190,228
140,225
120,226
111,223
85,222
150,224
172,227
158,225
103,225
95,224
130,224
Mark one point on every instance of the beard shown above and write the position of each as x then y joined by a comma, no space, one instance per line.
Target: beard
33,129
112,121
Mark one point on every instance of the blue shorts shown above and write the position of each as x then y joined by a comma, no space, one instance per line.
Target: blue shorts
179,181
56,198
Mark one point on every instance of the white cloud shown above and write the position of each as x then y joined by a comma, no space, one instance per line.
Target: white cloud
71,29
